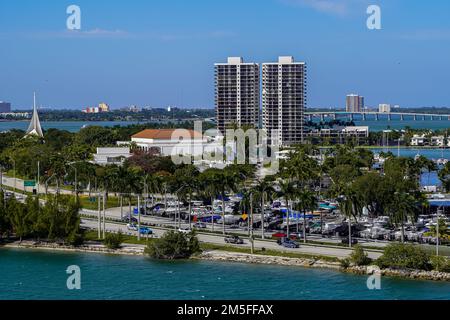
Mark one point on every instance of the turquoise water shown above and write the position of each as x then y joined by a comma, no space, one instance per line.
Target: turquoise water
396,124
374,125
432,153
72,126
26,274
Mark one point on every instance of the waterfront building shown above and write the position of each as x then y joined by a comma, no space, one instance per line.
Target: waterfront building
15,115
106,156
419,140
354,103
356,131
384,108
5,107
35,125
437,141
284,100
236,94
102,107
167,142
344,132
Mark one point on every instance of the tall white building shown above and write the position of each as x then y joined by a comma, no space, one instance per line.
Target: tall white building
354,103
284,100
237,94
384,108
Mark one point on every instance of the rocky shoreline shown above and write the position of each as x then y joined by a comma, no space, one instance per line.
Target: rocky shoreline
225,256
402,273
312,263
262,259
87,248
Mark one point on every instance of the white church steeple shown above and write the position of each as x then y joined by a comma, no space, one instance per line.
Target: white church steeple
35,126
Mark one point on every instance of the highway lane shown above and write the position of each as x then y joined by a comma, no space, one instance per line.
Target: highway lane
115,213
219,240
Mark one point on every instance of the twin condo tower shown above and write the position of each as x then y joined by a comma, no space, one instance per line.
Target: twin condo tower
283,97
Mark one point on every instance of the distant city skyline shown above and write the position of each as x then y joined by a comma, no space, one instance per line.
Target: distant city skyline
162,53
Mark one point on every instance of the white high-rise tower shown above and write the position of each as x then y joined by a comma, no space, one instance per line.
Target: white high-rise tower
237,94
284,100
35,126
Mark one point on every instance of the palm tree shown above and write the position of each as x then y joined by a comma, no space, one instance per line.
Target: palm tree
351,206
264,188
227,182
286,192
403,206
206,189
188,178
306,201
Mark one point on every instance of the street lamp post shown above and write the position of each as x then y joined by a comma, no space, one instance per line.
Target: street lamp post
1,178
178,205
98,216
38,178
76,177
139,216
437,233
104,215
251,224
14,162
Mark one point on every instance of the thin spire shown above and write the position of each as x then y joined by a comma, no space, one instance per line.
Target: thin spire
35,126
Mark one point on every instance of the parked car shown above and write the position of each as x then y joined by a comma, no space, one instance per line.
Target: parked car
234,240
132,227
290,244
287,243
184,230
146,231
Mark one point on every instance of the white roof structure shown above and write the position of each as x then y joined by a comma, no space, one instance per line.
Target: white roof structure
35,126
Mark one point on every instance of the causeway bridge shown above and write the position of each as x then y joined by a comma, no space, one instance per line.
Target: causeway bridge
372,115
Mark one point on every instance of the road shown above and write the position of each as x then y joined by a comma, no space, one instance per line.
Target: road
219,240
115,213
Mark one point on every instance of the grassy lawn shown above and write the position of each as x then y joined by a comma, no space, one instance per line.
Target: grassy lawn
209,246
92,235
111,202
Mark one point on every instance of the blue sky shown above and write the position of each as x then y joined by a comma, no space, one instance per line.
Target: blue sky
161,52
